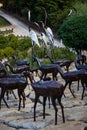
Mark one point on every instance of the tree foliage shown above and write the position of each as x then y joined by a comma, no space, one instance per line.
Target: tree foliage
56,10
73,31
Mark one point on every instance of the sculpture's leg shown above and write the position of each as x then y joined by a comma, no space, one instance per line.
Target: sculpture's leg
71,90
23,95
78,86
14,94
2,97
65,87
54,75
67,67
7,94
45,75
36,100
44,103
83,90
5,103
49,101
54,105
19,95
59,100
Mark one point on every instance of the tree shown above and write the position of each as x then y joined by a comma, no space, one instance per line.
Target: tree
73,31
56,10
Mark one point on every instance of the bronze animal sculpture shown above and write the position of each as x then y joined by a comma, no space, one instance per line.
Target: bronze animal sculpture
11,82
80,66
81,58
2,74
19,63
61,62
71,76
80,63
84,84
18,69
52,89
47,68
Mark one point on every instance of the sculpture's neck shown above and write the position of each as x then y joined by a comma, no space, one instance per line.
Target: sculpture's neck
51,59
38,62
60,71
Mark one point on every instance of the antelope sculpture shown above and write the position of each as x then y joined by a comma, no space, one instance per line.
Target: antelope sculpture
11,82
47,68
80,66
81,58
52,89
18,62
71,76
18,69
62,62
80,63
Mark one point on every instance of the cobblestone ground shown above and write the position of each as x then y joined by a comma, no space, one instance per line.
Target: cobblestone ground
75,111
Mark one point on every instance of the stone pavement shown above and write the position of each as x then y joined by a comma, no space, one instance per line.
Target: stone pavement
75,111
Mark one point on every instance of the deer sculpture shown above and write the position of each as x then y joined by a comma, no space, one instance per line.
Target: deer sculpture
47,68
62,62
71,76
81,58
84,84
18,62
12,82
52,89
80,66
18,69
2,74
80,63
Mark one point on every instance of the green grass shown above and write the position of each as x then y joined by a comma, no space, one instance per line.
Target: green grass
3,22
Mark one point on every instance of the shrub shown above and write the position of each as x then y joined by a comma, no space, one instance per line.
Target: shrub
8,51
61,53
1,53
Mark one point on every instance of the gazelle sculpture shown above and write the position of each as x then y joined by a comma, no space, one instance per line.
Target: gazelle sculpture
46,69
71,76
20,62
52,89
11,82
61,62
